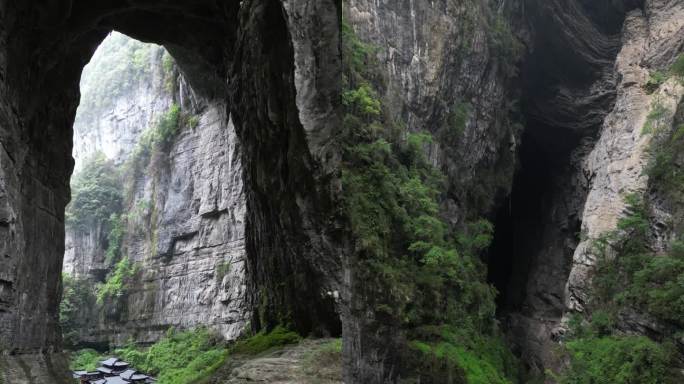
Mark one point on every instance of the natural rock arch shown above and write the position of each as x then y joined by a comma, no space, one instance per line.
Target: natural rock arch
265,58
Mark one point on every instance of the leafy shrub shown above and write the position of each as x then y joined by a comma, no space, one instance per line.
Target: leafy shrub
633,275
475,359
617,360
167,126
77,294
665,174
95,193
179,357
151,150
357,55
655,80
167,63
628,276
85,360
193,121
362,101
117,281
264,341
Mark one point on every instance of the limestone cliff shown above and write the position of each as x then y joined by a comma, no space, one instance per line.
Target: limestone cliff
552,138
183,210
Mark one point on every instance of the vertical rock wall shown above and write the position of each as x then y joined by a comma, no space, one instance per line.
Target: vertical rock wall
188,241
652,37
185,210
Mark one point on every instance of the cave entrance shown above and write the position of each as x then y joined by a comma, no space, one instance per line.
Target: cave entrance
536,225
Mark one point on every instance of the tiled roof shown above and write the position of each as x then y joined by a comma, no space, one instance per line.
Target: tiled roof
109,362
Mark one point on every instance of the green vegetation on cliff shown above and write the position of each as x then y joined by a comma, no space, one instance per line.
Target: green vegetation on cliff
629,278
95,193
638,280
118,66
193,356
157,137
677,68
419,275
617,360
117,281
77,294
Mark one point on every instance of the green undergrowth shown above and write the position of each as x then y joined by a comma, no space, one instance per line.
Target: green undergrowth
633,278
222,269
629,277
477,358
117,281
665,173
655,119
677,68
85,360
179,357
657,77
421,276
192,357
158,136
263,341
618,360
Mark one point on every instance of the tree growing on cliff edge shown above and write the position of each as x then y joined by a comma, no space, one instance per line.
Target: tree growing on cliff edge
95,193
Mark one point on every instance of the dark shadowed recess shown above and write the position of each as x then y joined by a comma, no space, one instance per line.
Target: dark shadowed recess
568,87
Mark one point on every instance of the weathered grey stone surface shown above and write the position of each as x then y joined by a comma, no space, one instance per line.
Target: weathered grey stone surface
651,40
38,368
192,228
186,213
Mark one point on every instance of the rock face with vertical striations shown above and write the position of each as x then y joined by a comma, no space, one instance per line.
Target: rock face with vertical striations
183,207
188,240
651,40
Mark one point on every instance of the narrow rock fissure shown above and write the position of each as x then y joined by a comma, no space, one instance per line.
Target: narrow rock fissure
522,218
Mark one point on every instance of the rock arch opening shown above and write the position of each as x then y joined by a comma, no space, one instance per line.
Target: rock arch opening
245,56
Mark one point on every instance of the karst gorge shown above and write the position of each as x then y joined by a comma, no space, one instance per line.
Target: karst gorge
354,191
